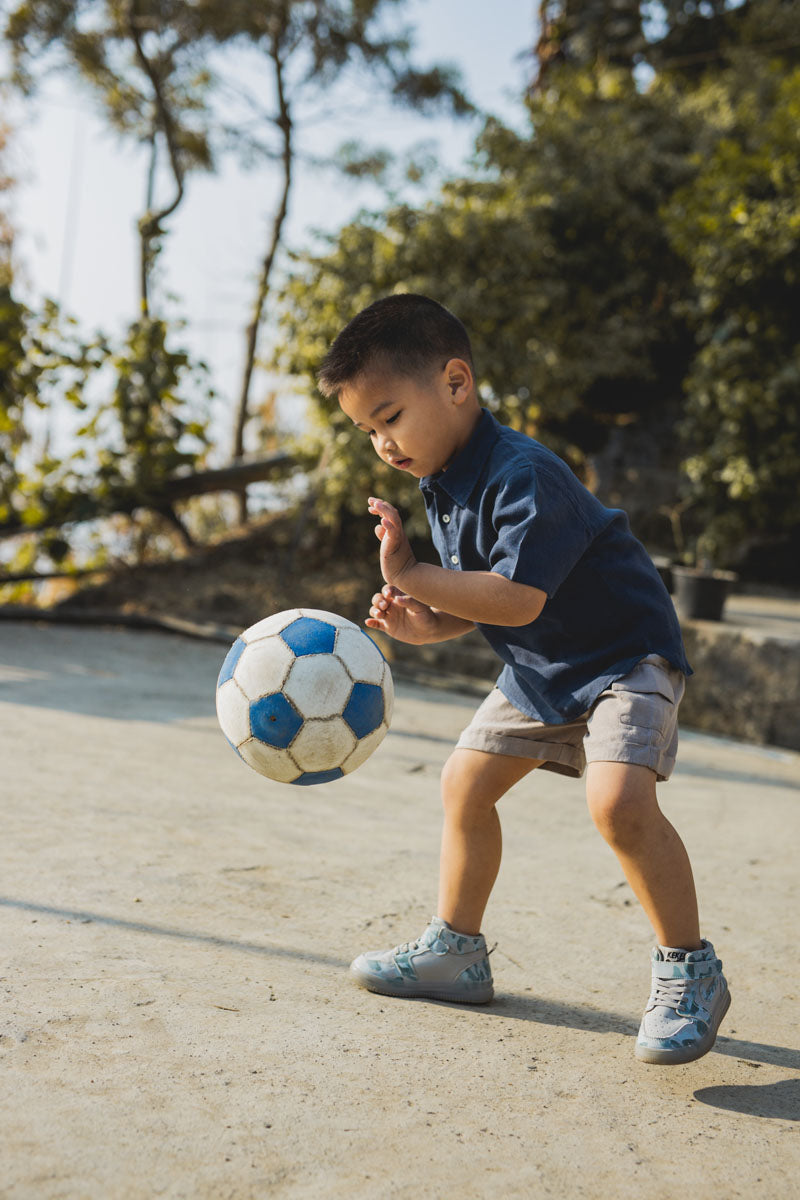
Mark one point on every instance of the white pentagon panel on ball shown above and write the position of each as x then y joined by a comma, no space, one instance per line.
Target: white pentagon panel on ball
360,655
319,614
322,745
270,625
233,712
364,748
318,685
263,667
268,760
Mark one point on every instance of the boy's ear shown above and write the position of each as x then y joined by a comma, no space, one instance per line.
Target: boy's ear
459,379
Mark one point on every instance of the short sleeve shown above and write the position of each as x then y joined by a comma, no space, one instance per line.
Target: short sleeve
539,531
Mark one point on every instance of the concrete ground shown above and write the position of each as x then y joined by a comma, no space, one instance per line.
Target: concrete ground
176,1018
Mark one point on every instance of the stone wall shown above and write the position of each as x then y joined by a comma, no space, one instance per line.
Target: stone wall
746,684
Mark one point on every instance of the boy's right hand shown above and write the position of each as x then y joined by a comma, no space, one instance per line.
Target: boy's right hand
402,617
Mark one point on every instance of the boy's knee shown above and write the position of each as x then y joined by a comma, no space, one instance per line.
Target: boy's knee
455,777
621,806
617,818
461,790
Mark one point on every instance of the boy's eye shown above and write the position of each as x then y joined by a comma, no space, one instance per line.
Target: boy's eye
391,420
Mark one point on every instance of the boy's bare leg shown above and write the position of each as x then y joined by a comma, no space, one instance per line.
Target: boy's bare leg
472,783
622,802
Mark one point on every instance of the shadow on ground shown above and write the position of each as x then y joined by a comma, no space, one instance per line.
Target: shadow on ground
506,1005
777,1100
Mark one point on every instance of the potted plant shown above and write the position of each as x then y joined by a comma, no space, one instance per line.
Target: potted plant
700,591
699,588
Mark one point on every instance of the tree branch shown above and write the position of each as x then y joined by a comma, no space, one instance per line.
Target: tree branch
164,117
79,507
150,223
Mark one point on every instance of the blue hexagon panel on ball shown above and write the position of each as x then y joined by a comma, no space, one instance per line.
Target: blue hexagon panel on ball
304,696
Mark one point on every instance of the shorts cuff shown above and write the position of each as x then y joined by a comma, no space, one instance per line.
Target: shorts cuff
554,756
637,756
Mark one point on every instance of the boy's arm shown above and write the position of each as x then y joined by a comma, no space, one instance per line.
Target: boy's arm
475,596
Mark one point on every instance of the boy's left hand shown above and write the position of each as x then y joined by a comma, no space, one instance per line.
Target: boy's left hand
397,557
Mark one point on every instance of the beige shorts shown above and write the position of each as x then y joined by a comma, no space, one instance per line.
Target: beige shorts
635,720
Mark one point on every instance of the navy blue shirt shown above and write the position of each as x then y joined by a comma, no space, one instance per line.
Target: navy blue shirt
508,504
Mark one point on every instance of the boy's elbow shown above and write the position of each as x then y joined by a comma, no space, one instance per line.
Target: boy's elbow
524,605
524,617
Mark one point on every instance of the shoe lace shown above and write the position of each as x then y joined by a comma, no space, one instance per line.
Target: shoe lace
669,993
407,947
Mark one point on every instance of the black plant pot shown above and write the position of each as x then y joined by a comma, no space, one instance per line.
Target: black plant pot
700,594
664,568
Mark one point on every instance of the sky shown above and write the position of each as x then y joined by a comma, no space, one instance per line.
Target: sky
81,188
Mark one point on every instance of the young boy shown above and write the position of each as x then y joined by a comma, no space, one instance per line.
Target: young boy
594,662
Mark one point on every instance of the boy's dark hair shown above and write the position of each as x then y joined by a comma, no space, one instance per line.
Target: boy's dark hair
405,335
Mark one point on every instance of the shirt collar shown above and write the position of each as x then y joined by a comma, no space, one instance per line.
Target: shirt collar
459,479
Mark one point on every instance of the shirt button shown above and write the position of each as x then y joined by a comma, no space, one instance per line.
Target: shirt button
446,518
454,558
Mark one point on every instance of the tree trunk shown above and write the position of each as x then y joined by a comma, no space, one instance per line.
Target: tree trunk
284,123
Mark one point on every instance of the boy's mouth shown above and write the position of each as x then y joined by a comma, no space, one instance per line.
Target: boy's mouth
401,463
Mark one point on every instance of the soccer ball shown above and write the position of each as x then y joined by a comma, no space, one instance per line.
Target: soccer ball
304,696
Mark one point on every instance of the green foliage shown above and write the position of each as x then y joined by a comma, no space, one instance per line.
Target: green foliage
737,224
15,386
139,415
43,363
6,232
583,33
690,39
146,430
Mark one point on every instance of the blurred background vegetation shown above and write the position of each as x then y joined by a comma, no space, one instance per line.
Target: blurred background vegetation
627,261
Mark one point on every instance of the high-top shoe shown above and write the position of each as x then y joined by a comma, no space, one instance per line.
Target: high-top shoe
440,965
688,1000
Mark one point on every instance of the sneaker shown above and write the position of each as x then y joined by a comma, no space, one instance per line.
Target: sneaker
689,999
439,965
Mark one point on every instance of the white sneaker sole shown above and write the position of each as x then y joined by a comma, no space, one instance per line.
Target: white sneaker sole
481,994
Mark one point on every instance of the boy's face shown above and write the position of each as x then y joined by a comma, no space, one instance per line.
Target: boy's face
414,425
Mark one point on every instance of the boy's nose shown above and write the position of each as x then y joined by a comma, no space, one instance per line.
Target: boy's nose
386,445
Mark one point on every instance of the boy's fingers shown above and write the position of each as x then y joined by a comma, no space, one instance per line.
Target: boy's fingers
394,594
408,602
382,508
